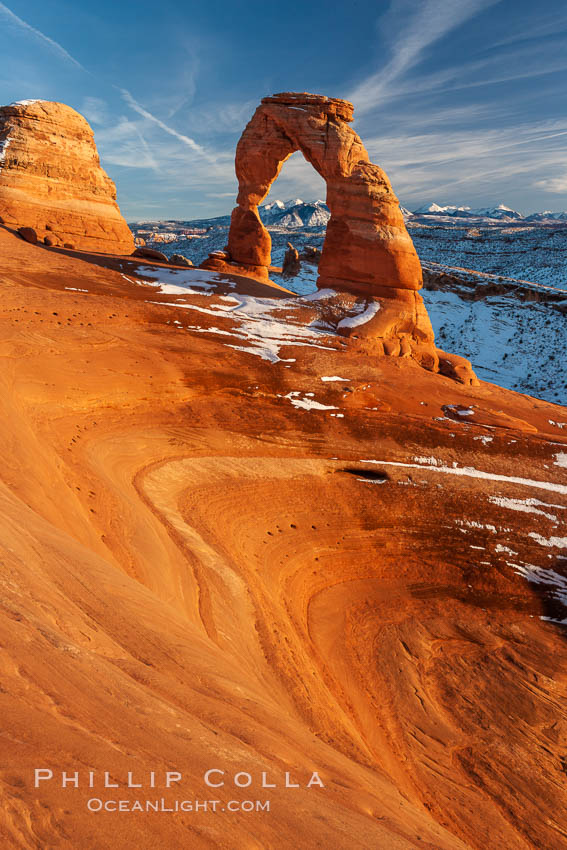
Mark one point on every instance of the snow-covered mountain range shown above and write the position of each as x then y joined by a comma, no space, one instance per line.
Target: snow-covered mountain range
295,213
299,213
497,213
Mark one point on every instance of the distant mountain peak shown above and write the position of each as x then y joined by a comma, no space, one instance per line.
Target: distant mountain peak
499,212
295,213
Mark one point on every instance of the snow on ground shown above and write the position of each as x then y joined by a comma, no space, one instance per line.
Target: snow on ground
306,280
532,253
526,506
514,344
484,439
361,318
180,281
264,324
556,583
434,465
307,402
551,542
4,144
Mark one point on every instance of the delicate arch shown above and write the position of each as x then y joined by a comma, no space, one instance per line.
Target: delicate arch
367,248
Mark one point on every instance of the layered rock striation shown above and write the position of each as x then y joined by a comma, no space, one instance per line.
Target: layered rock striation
51,179
368,253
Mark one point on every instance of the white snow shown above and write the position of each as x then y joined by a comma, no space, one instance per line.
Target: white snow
336,378
361,318
320,295
209,330
472,523
561,459
527,506
485,439
551,542
258,321
556,583
307,403
468,411
471,472
500,548
183,279
3,148
266,333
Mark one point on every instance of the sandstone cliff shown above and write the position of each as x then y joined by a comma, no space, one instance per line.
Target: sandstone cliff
51,179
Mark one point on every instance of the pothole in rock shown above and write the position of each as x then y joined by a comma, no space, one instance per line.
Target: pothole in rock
368,474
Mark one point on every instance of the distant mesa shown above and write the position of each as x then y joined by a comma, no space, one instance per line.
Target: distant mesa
367,255
51,180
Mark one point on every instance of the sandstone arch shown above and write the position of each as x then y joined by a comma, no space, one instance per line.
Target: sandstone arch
367,246
367,255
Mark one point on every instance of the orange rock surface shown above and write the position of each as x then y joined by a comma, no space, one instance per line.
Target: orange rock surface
51,179
230,541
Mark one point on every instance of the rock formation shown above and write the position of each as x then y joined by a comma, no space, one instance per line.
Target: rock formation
291,263
150,254
51,179
180,260
368,253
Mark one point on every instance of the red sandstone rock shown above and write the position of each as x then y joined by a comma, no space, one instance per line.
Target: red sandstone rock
51,178
291,264
179,260
29,234
150,254
311,254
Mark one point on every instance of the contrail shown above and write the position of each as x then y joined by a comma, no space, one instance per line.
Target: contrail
12,18
186,140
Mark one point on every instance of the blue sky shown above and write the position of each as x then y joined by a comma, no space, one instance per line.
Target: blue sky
460,101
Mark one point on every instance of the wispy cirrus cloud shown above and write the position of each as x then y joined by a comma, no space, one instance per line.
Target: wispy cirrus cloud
186,140
412,27
448,165
13,20
557,185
